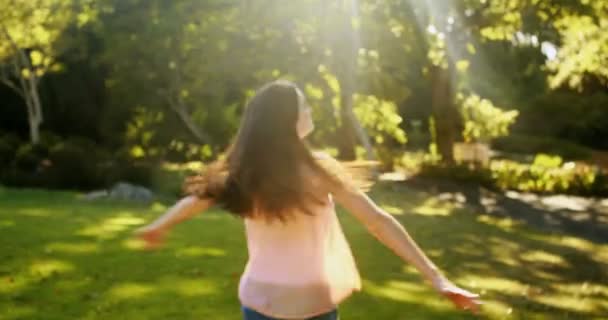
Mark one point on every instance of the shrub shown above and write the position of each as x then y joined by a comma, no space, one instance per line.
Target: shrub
583,121
571,178
48,140
484,121
6,153
74,165
532,145
140,173
459,172
121,167
9,143
22,163
29,156
547,174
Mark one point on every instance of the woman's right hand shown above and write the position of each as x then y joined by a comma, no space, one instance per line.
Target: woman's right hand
463,299
152,236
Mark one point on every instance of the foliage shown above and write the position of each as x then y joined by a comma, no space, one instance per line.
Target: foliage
30,46
580,120
457,172
380,118
74,165
139,173
483,121
167,80
547,174
35,25
9,143
29,156
6,152
550,175
584,49
526,144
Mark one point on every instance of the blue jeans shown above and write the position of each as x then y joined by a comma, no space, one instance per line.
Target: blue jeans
249,314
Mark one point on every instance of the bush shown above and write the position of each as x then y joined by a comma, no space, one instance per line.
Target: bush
48,140
18,178
6,153
532,145
74,165
169,181
29,156
413,162
547,174
571,178
459,172
484,121
583,121
9,143
387,156
96,168
139,173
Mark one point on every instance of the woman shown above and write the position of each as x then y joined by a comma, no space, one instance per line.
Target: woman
300,265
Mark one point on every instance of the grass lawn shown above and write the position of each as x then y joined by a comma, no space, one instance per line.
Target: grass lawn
64,258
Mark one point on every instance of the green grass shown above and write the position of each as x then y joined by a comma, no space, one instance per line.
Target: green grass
64,258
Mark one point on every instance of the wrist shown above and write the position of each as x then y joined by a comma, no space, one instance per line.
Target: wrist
159,228
438,281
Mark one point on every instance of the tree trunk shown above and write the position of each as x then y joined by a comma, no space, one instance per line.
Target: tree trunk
28,88
348,49
351,129
36,119
34,129
346,132
184,116
444,112
29,92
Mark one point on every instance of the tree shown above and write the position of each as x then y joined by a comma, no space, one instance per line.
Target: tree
583,51
30,30
200,59
344,46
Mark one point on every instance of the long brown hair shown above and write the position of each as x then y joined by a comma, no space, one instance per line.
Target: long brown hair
263,171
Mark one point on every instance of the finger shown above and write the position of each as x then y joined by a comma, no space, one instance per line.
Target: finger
475,309
152,246
466,293
465,303
473,305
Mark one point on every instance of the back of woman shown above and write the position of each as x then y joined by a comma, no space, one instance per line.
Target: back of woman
298,269
300,265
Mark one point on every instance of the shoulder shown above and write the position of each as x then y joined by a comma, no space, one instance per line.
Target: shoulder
326,160
332,174
321,155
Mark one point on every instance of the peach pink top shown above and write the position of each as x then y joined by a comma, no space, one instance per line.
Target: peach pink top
299,269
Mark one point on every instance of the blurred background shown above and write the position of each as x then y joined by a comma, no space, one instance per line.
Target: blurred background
117,89
498,105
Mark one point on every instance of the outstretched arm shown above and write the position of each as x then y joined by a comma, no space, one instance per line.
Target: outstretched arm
388,231
184,209
392,234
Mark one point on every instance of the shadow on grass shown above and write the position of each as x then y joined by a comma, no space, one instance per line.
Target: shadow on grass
520,271
68,259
